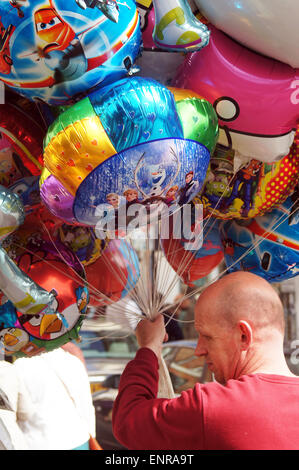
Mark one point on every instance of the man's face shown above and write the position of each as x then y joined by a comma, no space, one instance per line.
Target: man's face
217,342
131,196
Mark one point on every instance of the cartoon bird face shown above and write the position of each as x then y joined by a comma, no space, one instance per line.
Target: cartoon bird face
13,339
52,29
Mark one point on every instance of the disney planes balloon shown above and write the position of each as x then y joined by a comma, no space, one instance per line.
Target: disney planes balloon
54,50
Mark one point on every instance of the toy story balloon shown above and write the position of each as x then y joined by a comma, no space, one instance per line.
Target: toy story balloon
252,97
26,295
119,151
114,274
251,191
267,245
55,50
26,335
269,27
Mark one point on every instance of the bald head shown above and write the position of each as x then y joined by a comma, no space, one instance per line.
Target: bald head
244,296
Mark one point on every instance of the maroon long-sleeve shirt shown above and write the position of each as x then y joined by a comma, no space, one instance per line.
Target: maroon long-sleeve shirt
259,411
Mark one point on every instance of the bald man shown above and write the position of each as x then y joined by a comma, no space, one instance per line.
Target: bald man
254,402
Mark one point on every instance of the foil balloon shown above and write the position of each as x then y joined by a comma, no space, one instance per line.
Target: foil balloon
251,191
27,335
192,263
269,27
252,95
21,145
26,295
176,28
57,50
113,275
118,152
267,245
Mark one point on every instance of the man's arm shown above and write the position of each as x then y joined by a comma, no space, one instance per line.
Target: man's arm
140,420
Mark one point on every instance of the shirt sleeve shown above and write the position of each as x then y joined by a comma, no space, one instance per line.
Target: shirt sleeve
143,422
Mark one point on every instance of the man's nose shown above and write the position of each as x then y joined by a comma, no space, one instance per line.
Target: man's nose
200,350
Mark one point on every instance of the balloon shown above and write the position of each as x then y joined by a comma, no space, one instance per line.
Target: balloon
21,145
121,150
251,94
254,190
113,275
176,28
57,50
269,27
268,245
27,335
194,264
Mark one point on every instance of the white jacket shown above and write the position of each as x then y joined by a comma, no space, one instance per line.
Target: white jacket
62,415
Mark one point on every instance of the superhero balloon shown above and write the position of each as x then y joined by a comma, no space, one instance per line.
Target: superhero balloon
253,190
27,335
267,246
120,151
252,96
269,27
193,259
113,275
57,50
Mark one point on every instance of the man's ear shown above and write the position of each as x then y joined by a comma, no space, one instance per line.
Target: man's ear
245,334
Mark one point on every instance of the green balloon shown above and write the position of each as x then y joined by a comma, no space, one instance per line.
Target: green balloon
199,121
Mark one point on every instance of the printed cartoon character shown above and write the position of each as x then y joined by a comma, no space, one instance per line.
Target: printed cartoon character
247,175
170,196
113,200
5,58
190,189
80,240
110,8
131,196
13,339
28,191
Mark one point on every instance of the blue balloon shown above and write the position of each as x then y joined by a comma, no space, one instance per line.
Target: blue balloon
56,51
267,246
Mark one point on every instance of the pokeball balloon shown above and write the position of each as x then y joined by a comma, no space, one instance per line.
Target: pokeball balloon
267,246
56,50
254,97
124,149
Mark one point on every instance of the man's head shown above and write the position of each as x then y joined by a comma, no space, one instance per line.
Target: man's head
239,319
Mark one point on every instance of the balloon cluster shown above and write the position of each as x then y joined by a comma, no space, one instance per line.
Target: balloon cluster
102,136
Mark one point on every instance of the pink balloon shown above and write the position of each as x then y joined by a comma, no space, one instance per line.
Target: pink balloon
255,97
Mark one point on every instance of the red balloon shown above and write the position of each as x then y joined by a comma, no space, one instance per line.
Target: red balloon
113,275
192,265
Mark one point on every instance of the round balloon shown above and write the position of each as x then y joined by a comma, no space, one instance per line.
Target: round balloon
252,96
55,50
267,246
194,259
253,190
269,27
113,275
119,152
